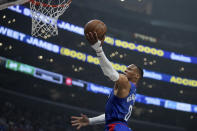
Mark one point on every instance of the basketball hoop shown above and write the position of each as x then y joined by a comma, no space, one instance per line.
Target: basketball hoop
45,14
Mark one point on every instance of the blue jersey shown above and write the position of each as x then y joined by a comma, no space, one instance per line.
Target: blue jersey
119,109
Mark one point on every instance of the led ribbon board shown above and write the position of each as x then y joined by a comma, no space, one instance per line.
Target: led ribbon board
49,76
16,66
57,78
116,42
89,58
33,71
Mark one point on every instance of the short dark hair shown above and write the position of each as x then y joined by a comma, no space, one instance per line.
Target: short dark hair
141,72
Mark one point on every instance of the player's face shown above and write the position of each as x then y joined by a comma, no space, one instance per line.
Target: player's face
131,72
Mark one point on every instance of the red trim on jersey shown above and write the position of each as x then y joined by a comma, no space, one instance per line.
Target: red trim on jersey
112,126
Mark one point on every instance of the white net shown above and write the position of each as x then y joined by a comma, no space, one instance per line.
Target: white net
45,14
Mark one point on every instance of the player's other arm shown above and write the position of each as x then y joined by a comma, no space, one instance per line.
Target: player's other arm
83,120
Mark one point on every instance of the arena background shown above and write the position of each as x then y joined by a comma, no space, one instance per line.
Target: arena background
44,82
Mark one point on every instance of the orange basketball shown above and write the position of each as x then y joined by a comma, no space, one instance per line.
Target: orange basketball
96,26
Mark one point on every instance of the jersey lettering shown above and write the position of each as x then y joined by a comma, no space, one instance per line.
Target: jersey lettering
129,113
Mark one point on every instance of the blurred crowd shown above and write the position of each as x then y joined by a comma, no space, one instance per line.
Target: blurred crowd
15,117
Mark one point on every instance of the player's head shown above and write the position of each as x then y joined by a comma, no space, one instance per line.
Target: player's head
134,73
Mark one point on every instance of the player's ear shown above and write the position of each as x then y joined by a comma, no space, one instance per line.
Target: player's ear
137,75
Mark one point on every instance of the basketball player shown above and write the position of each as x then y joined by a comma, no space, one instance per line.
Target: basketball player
6,3
121,100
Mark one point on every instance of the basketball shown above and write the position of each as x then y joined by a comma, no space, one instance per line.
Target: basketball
96,26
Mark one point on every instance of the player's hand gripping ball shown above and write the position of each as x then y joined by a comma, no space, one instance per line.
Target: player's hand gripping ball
95,30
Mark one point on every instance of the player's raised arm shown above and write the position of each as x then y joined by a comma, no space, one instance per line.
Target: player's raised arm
122,80
105,64
83,120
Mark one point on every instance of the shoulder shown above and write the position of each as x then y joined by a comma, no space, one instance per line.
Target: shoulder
122,81
122,86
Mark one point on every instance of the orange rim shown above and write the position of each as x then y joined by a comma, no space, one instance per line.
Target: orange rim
47,5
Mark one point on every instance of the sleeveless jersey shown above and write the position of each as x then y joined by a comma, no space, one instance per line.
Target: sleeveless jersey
119,109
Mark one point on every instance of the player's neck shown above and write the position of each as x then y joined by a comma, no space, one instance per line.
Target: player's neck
133,81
